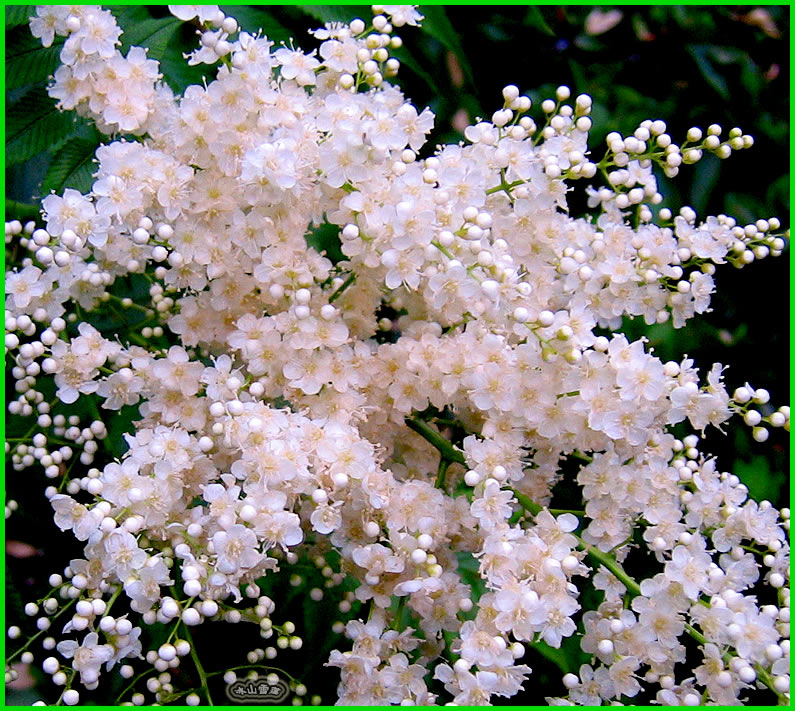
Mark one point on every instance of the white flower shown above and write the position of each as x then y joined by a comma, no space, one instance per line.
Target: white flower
87,657
186,13
143,588
297,65
69,514
271,164
236,548
24,286
493,506
326,518
340,56
98,34
124,555
403,14
50,20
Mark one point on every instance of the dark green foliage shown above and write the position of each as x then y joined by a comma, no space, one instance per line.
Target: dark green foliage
72,166
35,125
27,62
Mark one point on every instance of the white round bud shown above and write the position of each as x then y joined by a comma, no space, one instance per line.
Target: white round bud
191,588
605,646
71,696
191,616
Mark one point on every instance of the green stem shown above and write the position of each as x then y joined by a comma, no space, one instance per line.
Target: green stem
32,639
604,559
440,474
65,478
197,663
113,599
527,503
612,565
25,437
185,692
633,588
399,612
132,684
133,305
560,512
507,187
446,449
447,422
336,295
70,677
442,249
251,666
135,338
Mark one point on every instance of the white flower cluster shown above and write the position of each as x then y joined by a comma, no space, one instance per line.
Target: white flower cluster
308,403
117,92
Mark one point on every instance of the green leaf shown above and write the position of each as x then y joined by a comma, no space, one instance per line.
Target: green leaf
762,483
21,210
72,166
408,62
19,15
751,77
333,13
139,27
252,18
778,192
27,62
34,125
469,570
326,239
588,43
119,423
438,25
556,656
705,177
535,18
166,39
568,657
703,55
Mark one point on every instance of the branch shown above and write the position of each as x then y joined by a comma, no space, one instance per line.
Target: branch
445,447
633,588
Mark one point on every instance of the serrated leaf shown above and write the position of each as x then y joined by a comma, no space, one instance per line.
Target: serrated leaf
255,17
19,15
34,125
140,29
27,62
438,25
72,166
166,39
